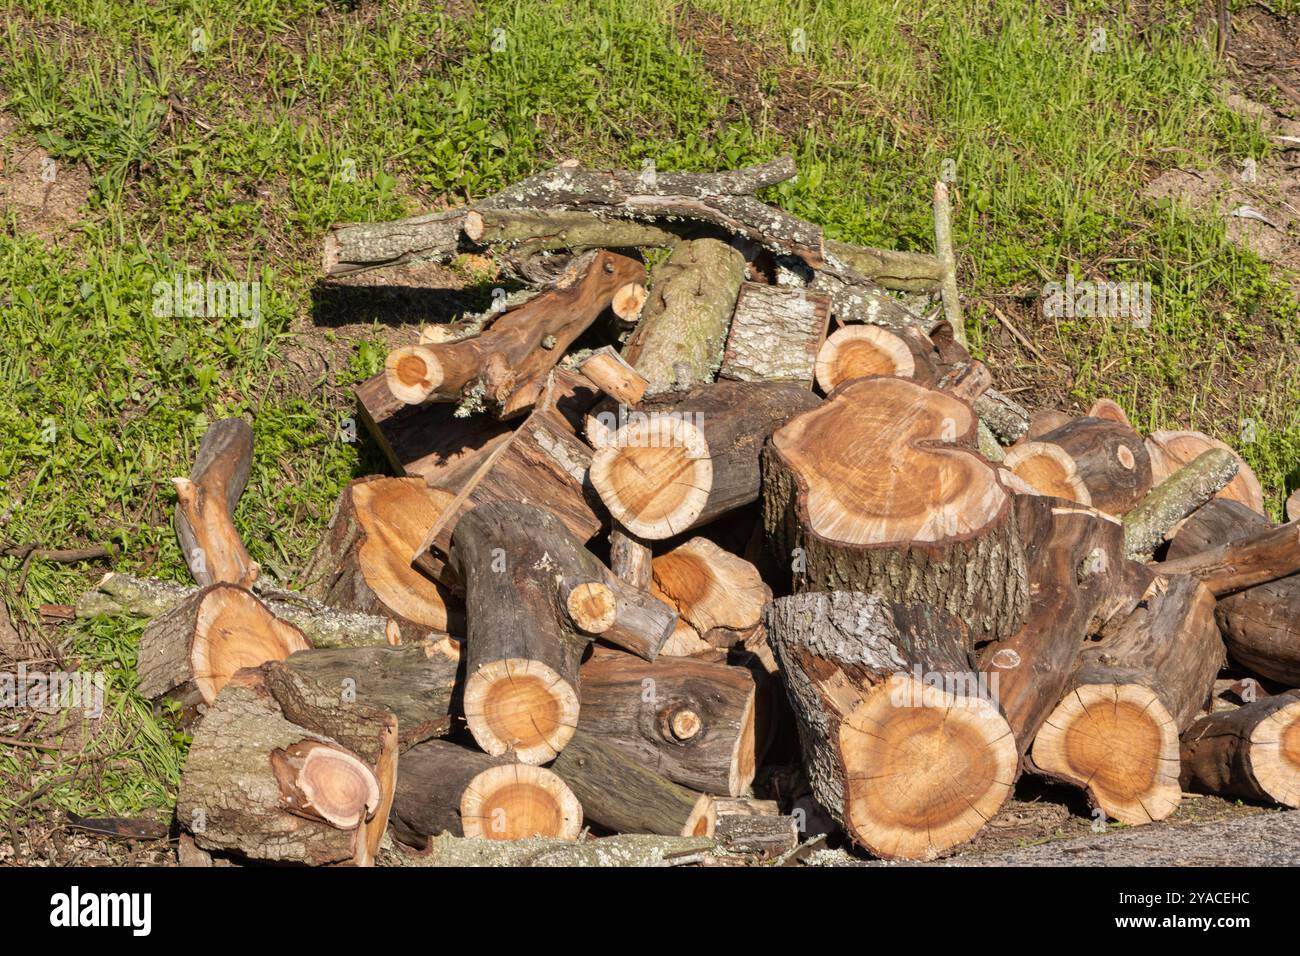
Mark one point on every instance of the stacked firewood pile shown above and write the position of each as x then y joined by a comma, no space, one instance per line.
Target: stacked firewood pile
724,553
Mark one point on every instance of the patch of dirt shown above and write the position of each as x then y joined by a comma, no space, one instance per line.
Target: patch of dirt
47,197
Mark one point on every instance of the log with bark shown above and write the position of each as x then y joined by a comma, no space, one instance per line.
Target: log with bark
880,490
1133,691
680,461
1237,562
857,351
446,788
205,506
697,723
1260,625
504,368
1170,450
363,562
621,850
776,335
1251,752
719,595
427,441
190,652
258,786
1093,461
898,741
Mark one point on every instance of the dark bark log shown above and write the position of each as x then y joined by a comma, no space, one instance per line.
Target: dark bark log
1246,562
622,795
630,559
261,787
762,836
1115,732
900,742
1260,625
696,723
205,506
681,461
879,490
193,650
1251,752
1110,460
444,787
775,335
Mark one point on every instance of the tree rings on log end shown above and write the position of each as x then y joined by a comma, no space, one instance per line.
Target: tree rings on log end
516,801
523,706
654,474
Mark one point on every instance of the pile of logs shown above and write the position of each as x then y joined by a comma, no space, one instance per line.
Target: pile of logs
730,551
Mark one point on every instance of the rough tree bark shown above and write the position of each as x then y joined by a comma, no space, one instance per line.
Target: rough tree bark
775,335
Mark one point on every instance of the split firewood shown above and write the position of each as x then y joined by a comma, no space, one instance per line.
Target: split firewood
694,722
1154,517
117,594
1077,581
205,506
1103,463
721,596
621,850
1170,450
1133,692
679,341
612,374
682,460
1260,625
417,683
363,562
1245,561
504,367
776,335
443,787
622,795
192,651
261,787
535,599
880,490
542,463
898,741
1251,752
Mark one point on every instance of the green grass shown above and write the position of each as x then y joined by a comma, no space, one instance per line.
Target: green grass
230,162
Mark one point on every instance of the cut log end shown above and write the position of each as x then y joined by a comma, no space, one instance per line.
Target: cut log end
628,301
327,782
412,374
1049,470
703,819
1275,755
521,706
592,607
234,630
1119,742
928,768
860,350
518,801
654,474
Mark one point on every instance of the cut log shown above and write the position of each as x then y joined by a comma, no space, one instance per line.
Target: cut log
1246,562
904,271
775,335
695,723
205,506
1106,409
1109,458
764,836
193,650
1049,470
718,594
363,562
630,560
535,598
878,490
417,683
1168,503
899,743
855,298
611,373
679,341
1006,419
1170,450
1074,556
1251,752
543,463
322,626
429,442
623,796
855,351
447,788
1042,422
261,787
622,850
1260,625
681,461
1115,732
504,368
